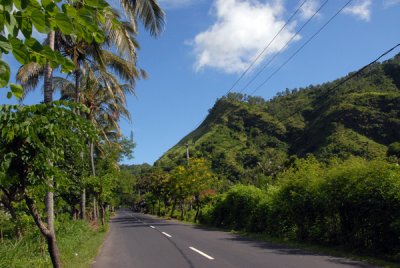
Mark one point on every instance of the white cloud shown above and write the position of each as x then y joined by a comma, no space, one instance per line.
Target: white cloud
362,10
309,8
242,29
389,3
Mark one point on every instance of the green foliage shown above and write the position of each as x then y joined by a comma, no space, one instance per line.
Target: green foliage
33,139
353,203
394,149
22,17
78,242
251,140
235,209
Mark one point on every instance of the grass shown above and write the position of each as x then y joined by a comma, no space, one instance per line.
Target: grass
78,242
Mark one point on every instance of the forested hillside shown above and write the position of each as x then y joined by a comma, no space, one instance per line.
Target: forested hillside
249,139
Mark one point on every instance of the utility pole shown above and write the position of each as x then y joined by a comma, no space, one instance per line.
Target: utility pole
187,153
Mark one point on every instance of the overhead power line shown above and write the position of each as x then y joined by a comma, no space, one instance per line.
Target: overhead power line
284,47
264,50
301,48
363,68
266,47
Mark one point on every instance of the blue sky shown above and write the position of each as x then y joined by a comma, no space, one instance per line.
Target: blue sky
207,44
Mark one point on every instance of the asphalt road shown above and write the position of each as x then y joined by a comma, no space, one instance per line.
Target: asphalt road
143,241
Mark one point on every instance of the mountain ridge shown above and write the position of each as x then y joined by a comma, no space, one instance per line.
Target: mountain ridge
247,137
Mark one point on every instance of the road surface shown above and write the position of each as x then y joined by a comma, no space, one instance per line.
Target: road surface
143,241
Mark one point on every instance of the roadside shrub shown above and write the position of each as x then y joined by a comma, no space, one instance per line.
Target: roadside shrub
297,204
353,202
236,208
363,198
264,218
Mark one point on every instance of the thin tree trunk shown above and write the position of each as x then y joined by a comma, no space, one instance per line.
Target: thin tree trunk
102,213
50,234
83,195
83,204
77,100
92,159
94,209
91,147
173,208
182,209
47,232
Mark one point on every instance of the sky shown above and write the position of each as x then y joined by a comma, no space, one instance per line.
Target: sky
207,45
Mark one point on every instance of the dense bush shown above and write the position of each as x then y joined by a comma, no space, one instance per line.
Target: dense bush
236,207
354,203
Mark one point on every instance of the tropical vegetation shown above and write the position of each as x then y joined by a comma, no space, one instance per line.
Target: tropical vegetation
57,155
316,164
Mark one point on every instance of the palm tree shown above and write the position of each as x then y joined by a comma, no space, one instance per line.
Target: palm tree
149,12
105,97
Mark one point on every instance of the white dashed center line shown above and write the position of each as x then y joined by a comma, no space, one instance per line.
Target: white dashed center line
164,233
201,253
151,226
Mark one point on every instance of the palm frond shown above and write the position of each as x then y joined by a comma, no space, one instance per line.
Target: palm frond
148,11
28,76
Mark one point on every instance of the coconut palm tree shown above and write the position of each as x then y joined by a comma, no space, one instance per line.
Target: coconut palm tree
105,97
147,11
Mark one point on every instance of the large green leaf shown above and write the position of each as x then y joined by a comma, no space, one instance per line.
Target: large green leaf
11,24
19,50
64,23
33,44
21,4
4,73
70,11
5,46
86,19
52,9
38,20
48,53
7,4
96,3
24,23
67,66
2,18
17,90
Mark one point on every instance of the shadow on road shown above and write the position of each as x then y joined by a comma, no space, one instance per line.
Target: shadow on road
280,249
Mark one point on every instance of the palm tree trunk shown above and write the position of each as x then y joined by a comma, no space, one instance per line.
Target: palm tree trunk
92,159
48,73
83,196
95,211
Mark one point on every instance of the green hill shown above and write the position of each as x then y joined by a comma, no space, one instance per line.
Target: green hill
247,138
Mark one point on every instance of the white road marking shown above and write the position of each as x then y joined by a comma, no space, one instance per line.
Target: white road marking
164,233
151,226
201,253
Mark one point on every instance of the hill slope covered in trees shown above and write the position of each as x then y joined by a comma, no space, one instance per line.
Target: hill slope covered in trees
248,139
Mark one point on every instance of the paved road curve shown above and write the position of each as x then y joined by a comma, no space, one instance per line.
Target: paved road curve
142,241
